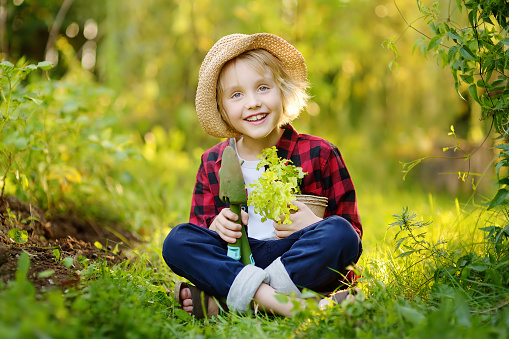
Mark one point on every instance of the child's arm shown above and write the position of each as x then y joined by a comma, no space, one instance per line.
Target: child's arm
338,186
206,204
207,210
330,179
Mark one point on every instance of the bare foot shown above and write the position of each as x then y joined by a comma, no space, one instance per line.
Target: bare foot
185,295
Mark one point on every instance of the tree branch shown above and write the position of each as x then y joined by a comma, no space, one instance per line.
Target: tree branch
3,22
55,28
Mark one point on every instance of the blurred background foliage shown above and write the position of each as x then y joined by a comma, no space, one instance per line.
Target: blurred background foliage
146,56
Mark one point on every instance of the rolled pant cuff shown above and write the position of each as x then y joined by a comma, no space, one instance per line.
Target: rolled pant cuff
280,280
244,287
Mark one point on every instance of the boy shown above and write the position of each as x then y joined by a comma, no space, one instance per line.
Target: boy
250,87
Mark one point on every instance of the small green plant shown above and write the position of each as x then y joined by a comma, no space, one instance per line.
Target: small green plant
410,236
19,236
17,105
276,187
56,253
408,166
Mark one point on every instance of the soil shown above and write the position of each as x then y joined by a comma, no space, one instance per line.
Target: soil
71,235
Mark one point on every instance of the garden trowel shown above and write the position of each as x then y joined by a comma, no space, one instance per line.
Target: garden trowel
232,190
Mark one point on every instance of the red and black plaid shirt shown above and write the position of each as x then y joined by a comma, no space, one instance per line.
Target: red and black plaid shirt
327,176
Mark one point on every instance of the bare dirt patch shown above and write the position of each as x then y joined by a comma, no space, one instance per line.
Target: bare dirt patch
63,236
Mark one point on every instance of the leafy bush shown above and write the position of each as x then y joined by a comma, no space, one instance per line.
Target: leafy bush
17,106
57,137
473,45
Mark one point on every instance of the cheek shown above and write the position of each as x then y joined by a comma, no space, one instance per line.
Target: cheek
277,102
231,112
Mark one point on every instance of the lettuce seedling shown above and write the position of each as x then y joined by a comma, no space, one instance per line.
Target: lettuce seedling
276,187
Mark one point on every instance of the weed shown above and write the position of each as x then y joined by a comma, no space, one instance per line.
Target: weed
18,236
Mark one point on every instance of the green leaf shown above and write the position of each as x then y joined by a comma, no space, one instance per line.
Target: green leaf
500,198
435,41
56,253
478,267
182,315
20,143
460,7
82,260
468,78
495,277
7,64
411,315
68,262
472,89
23,265
504,181
504,147
19,236
452,53
404,254
45,274
454,36
467,53
44,65
282,298
37,101
462,311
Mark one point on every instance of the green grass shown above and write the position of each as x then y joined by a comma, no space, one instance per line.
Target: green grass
398,298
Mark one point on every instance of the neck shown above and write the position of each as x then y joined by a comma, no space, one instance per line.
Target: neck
249,148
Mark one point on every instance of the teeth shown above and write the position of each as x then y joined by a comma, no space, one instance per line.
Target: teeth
257,117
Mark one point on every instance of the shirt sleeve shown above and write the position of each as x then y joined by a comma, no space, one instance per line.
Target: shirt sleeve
339,188
203,207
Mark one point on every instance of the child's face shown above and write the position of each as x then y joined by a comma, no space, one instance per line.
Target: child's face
252,101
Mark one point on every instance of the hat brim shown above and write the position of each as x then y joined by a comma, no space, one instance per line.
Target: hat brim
225,50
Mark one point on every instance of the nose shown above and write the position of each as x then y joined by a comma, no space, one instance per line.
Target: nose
252,101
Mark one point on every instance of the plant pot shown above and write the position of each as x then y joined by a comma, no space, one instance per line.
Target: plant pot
315,203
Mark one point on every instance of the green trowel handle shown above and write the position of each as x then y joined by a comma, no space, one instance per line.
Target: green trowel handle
240,250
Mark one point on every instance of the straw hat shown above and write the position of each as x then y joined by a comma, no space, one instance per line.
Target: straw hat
226,49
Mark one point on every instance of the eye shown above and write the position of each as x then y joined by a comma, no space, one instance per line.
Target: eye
236,95
263,88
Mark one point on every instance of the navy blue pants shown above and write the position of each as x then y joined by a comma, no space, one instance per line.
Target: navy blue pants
315,257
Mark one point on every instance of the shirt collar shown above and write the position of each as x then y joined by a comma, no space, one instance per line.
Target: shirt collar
222,146
285,145
287,142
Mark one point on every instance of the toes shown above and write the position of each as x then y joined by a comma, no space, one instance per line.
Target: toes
187,302
185,293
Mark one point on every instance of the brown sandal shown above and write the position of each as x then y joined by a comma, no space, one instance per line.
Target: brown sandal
200,300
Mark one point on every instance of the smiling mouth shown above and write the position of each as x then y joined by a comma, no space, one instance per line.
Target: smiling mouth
257,117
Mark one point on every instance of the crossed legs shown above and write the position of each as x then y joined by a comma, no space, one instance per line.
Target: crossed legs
312,258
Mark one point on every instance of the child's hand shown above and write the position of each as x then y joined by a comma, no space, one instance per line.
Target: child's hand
225,226
300,219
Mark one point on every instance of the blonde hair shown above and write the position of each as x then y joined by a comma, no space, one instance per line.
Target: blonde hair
293,91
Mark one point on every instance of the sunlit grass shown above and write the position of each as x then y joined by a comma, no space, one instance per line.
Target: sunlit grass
395,298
